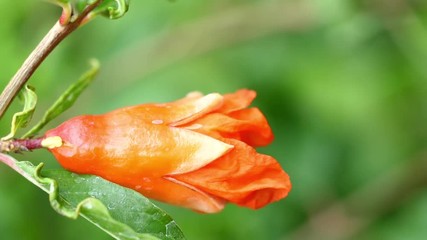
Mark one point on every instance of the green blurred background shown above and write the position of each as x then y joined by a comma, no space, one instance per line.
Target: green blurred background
343,84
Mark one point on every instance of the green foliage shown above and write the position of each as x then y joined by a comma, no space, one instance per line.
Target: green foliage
124,205
21,119
343,88
122,213
67,99
112,9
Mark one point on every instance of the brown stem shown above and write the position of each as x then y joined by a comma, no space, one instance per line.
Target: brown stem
29,144
20,145
49,42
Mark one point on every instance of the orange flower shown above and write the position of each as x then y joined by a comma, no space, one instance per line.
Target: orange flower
196,152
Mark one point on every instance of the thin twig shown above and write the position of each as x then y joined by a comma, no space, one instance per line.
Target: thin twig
21,145
48,43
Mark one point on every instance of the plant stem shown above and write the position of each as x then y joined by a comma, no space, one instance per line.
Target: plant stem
48,43
20,145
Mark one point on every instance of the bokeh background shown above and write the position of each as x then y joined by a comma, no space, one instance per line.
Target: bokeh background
343,84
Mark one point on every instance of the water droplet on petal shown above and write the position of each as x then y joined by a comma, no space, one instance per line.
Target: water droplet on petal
157,121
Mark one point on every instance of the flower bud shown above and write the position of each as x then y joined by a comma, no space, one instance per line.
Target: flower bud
197,152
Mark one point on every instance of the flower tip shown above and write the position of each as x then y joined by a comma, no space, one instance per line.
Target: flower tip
194,94
213,97
215,100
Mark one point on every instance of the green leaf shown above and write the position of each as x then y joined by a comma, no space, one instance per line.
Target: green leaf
120,212
112,9
67,99
21,119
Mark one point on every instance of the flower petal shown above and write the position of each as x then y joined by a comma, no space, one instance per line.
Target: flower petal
189,196
176,193
236,101
178,112
246,125
191,96
121,144
242,176
259,133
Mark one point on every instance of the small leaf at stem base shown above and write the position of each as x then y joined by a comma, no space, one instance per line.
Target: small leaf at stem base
72,9
21,119
67,99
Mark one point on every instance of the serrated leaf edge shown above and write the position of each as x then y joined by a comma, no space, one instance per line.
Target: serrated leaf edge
33,174
85,205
